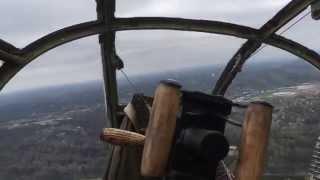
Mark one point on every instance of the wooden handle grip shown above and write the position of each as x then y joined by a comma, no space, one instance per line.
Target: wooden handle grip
160,131
122,137
254,140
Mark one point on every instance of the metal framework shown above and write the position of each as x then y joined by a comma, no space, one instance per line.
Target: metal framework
247,49
107,25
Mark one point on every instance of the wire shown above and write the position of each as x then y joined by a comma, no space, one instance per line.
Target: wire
235,123
282,32
296,22
228,171
130,82
136,89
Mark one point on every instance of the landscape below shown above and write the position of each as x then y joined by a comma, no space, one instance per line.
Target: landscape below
53,133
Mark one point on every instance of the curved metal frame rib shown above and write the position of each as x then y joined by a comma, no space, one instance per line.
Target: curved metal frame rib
18,58
282,17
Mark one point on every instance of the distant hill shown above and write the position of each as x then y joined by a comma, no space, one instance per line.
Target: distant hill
253,79
52,133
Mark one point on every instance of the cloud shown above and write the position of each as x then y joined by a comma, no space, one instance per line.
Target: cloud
24,21
247,12
142,51
75,62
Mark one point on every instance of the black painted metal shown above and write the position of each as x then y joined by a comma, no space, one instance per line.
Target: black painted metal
105,10
199,143
315,9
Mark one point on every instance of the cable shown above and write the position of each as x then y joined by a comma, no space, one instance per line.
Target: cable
130,82
296,22
228,171
136,89
282,32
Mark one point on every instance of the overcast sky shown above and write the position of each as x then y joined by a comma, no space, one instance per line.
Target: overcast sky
142,51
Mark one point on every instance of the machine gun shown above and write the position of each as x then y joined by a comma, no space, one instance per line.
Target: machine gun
185,137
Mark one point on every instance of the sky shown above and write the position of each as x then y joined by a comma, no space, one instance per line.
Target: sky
142,51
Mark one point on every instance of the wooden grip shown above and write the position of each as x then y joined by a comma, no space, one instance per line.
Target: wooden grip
160,131
254,140
122,137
